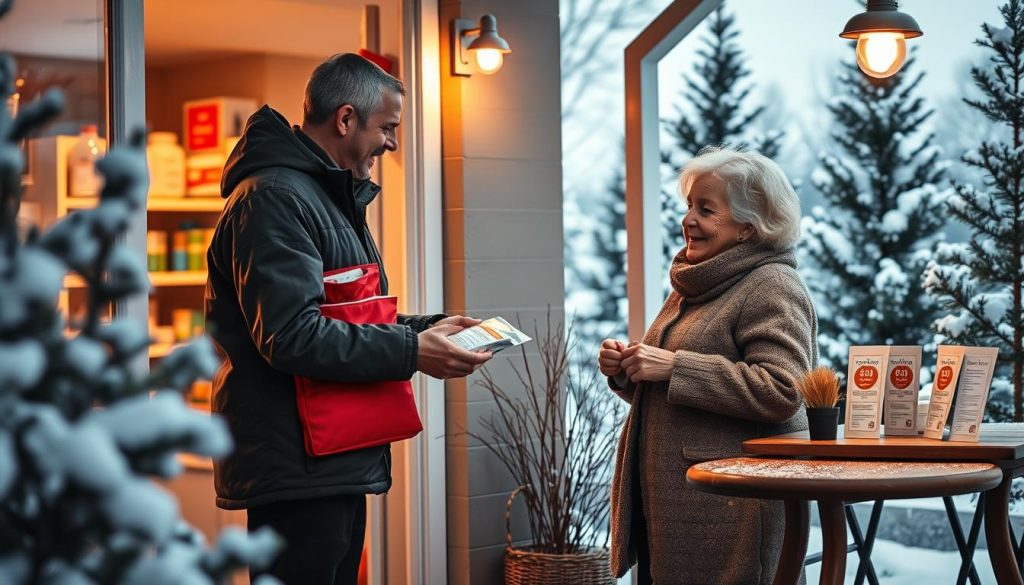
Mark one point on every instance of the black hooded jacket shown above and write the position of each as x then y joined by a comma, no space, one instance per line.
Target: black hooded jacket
291,215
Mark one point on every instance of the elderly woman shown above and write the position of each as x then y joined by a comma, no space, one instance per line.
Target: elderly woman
719,365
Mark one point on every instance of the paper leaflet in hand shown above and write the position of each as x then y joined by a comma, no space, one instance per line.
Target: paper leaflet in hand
492,335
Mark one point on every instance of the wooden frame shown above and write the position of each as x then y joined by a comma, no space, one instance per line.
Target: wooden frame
643,195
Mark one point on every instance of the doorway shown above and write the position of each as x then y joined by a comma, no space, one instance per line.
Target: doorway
218,61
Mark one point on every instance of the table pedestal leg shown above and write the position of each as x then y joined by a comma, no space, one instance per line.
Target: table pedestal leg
833,535
997,533
794,543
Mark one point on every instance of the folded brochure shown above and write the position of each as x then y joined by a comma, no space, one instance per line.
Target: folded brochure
492,335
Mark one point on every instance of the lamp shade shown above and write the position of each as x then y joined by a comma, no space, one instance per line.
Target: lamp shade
488,38
881,16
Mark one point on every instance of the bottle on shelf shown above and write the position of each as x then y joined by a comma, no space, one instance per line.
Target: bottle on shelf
156,250
196,250
182,321
83,181
179,251
166,165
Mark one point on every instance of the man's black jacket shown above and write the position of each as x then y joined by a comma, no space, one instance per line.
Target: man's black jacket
291,215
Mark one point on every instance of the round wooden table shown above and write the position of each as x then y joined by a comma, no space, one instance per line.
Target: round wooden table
831,482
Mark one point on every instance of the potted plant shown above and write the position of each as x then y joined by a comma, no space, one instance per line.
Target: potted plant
558,441
820,389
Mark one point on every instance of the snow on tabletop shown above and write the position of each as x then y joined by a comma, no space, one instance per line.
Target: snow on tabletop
823,469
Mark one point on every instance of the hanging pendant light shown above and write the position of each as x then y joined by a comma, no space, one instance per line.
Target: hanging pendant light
881,32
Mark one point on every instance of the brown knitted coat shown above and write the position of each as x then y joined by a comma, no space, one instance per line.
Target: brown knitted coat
744,330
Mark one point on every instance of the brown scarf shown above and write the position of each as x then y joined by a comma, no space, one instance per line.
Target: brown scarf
699,283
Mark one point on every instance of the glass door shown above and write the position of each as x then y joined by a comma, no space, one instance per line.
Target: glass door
80,47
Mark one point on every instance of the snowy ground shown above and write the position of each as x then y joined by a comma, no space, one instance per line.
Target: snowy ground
896,564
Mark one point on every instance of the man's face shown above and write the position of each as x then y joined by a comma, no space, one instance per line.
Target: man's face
364,141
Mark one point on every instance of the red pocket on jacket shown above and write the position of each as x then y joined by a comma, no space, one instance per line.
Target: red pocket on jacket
338,417
352,283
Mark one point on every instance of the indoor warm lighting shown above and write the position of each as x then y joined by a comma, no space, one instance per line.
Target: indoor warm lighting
487,48
881,32
488,60
881,54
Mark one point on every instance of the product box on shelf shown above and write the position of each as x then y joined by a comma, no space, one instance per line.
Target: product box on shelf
210,122
204,170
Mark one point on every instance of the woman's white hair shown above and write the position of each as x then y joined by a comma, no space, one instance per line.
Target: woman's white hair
757,190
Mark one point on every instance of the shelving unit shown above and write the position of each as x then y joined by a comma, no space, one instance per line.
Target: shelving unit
158,279
178,204
47,193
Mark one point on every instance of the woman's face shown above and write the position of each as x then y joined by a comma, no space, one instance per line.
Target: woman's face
708,225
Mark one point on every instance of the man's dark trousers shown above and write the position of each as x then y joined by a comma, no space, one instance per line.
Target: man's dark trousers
324,539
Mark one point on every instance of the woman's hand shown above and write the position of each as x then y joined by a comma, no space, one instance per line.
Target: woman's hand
644,363
610,359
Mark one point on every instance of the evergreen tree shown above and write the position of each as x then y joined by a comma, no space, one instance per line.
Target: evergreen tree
597,279
77,500
712,111
866,253
981,281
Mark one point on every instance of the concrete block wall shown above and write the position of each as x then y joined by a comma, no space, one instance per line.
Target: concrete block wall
503,250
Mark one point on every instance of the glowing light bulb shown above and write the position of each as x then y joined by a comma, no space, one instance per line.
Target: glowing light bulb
488,60
881,54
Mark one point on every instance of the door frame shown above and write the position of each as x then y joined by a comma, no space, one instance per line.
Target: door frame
425,541
423,546
125,70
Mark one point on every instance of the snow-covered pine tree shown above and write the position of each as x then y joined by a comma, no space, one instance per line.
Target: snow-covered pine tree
82,435
593,35
981,281
596,280
712,110
864,254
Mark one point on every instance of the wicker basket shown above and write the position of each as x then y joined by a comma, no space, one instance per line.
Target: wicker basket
526,567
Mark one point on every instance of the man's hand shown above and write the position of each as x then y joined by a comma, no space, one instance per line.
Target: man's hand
440,358
609,361
644,363
457,320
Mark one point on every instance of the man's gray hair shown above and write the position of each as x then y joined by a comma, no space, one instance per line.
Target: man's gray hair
349,79
757,190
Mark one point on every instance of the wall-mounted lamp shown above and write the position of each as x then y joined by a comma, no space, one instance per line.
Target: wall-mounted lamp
880,32
487,49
